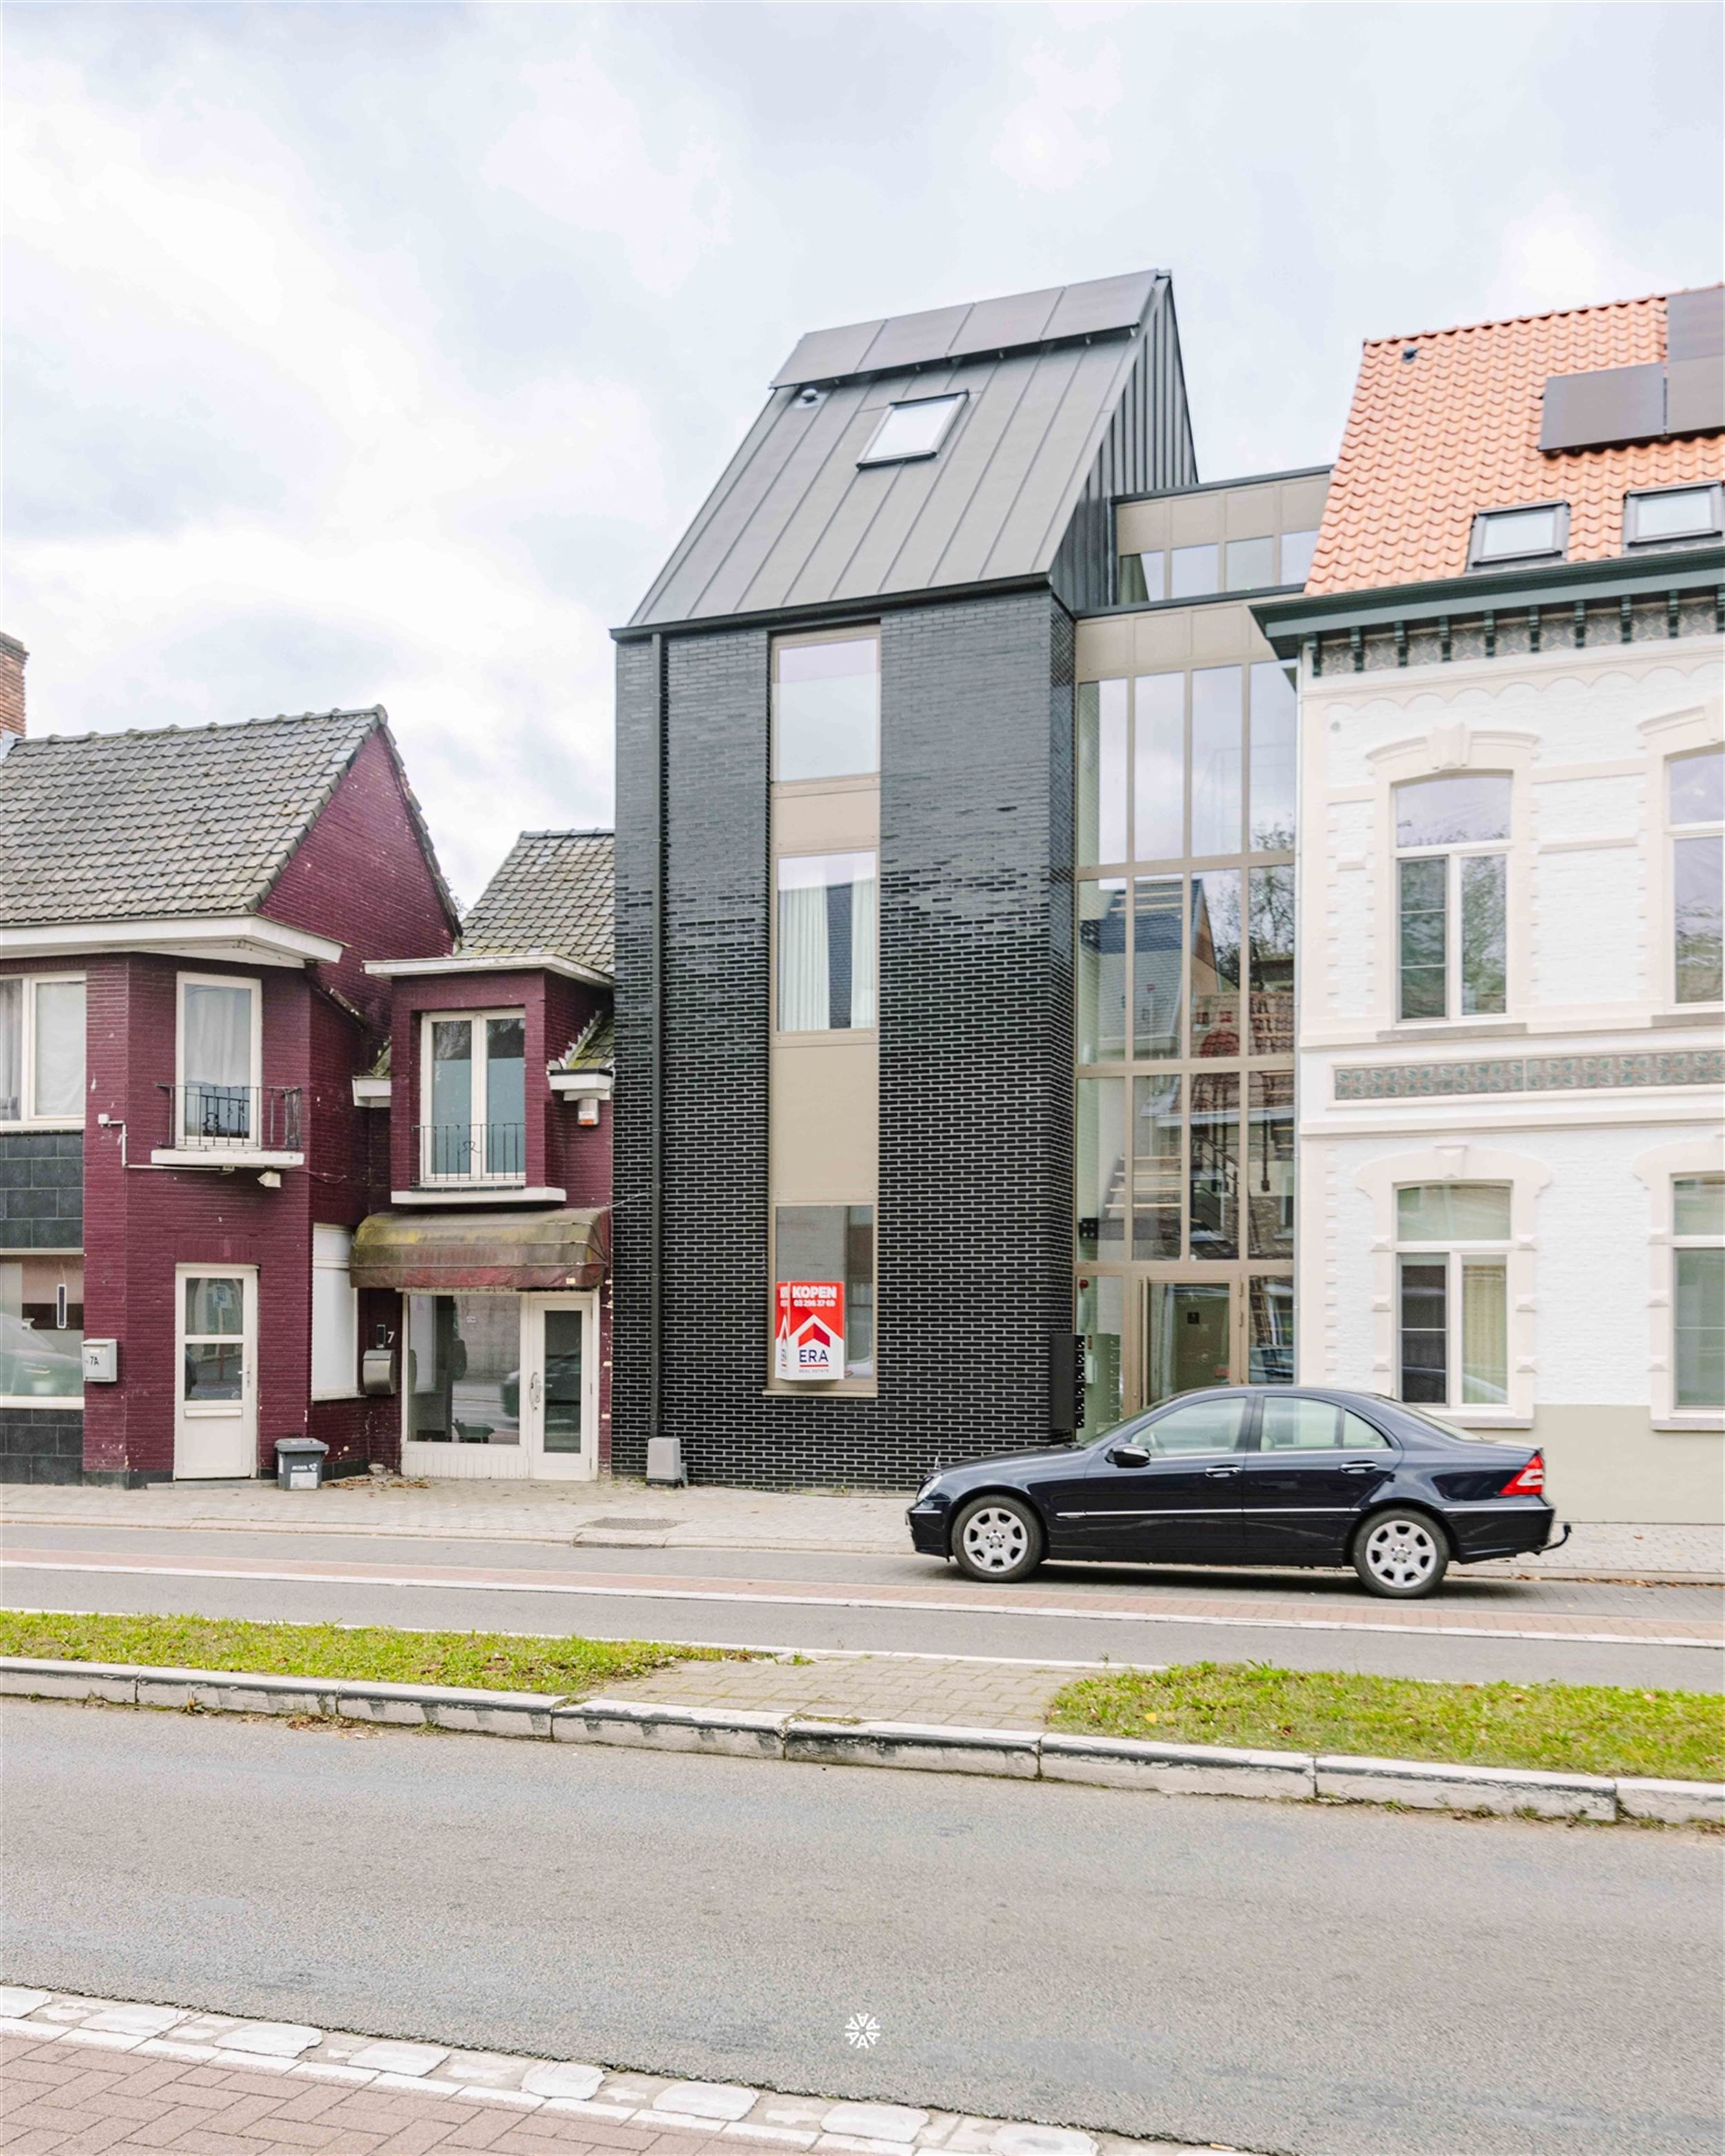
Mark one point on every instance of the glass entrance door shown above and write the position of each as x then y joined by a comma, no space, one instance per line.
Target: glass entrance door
216,1418
1189,1337
560,1393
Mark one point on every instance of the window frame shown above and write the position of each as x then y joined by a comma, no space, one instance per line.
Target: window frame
479,1118
351,1390
859,1386
69,1260
28,1119
1672,833
874,454
253,983
1714,1240
1479,559
1632,500
1456,1252
1452,852
865,633
779,1030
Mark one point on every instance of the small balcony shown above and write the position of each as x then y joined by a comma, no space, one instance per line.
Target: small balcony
229,1126
471,1163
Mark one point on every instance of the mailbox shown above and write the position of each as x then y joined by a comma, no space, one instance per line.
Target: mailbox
377,1365
101,1361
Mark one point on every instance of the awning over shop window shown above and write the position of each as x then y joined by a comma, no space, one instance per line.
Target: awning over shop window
449,1253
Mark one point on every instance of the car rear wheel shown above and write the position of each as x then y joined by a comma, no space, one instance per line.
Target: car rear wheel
1401,1554
997,1539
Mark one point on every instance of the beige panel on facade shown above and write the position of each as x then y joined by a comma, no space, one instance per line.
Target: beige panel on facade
1161,639
1141,527
1251,513
1193,518
1105,648
826,1138
1224,632
827,816
1302,503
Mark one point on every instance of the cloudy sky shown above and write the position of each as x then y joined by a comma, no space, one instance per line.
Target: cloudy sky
366,353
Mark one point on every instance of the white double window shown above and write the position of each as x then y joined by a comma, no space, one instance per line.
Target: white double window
1452,1294
42,1048
220,1056
1698,1292
474,1097
1452,894
1695,816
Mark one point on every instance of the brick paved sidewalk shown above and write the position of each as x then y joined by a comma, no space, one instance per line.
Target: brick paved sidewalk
94,2078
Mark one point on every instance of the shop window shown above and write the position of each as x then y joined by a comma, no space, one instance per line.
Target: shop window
335,1315
1452,1293
41,1330
463,1378
826,706
1695,805
832,1243
1102,772
474,1089
1452,892
826,942
41,1049
1274,712
1699,1291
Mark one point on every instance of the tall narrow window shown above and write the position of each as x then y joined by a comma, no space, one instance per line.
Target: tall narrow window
1101,969
1102,1177
1102,794
1156,966
1269,1164
475,1126
1274,706
826,706
1695,797
1157,1148
1217,730
826,942
1101,1314
335,1315
1272,921
1452,1285
1215,963
1452,892
1159,767
1698,1292
1215,1174
218,1055
41,1049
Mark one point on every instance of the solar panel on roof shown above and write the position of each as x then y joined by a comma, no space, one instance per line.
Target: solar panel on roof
996,325
822,354
1110,303
1695,324
1605,404
913,340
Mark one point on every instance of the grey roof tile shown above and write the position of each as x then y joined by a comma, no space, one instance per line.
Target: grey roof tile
553,894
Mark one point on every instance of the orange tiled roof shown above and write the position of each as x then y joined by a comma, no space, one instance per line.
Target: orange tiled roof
1431,440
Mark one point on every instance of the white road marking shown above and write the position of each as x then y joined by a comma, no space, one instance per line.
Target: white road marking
866,1602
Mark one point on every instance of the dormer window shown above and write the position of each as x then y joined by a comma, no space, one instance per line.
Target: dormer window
1508,537
1671,516
907,431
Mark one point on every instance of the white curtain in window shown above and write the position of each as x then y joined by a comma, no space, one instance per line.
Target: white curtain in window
12,1049
1485,1333
60,1048
217,1045
804,990
862,949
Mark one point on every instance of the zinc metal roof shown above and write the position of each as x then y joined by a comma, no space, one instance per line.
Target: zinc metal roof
175,823
795,521
553,894
1434,438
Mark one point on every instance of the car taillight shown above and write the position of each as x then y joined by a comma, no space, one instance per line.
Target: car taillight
1527,1482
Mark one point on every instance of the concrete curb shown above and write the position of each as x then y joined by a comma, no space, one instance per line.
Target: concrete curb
1015,1755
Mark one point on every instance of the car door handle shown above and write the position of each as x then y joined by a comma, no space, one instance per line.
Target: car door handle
1216,1474
1361,1467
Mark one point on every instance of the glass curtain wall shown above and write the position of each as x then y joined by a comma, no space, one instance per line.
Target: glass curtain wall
1185,1199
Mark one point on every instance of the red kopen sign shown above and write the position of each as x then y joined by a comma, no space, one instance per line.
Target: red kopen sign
809,1329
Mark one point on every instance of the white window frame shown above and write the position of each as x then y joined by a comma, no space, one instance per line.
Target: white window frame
327,1260
179,1140
480,1116
29,983
1673,832
1455,1251
1660,1170
1452,855
67,1403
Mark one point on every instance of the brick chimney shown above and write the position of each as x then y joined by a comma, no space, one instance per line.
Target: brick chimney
12,655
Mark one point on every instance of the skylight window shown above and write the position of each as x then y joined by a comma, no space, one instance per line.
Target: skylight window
1674,513
912,430
1509,536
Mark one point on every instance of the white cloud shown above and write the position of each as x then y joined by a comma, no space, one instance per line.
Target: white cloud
1054,138
1558,256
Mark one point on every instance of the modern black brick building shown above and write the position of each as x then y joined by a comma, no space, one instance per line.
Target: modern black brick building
848,700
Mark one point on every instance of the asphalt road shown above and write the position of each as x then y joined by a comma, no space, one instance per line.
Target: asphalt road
1477,1628
1332,1982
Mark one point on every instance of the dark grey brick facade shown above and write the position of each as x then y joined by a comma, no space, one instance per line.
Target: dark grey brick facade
974,1253
41,1190
41,1444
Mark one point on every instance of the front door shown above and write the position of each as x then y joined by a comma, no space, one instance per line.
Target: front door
560,1389
216,1326
1183,1505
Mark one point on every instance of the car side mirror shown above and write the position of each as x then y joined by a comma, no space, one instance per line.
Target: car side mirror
1128,1455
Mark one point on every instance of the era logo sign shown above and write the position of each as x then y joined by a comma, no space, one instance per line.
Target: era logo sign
809,1329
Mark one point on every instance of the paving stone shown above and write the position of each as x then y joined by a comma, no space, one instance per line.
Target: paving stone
281,2039
879,2122
399,2058
564,2080
16,1999
720,2100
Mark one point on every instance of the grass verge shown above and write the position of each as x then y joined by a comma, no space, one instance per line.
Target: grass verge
1579,1729
496,1661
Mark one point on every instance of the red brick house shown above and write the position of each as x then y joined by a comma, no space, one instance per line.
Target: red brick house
204,936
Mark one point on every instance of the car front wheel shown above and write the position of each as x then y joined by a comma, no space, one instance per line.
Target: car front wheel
1401,1554
997,1538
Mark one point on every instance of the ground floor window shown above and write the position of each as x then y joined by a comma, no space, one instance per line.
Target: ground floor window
463,1369
1452,1293
832,1243
335,1315
1699,1291
41,1330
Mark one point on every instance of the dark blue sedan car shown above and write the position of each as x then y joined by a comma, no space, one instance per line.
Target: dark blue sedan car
1260,1475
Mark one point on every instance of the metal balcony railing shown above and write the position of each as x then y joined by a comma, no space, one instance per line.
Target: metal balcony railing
471,1152
207,1118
